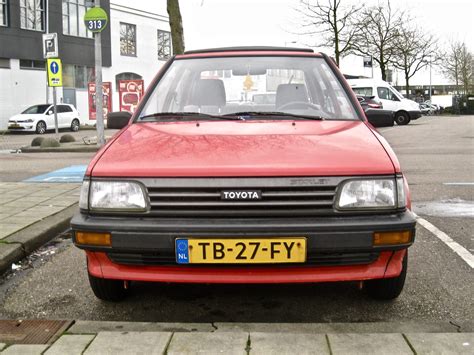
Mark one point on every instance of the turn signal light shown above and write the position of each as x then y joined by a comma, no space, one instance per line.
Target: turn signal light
392,238
92,238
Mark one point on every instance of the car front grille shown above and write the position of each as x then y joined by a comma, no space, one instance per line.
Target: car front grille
314,259
201,197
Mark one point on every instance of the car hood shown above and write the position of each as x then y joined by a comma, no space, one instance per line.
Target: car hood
24,117
412,104
244,148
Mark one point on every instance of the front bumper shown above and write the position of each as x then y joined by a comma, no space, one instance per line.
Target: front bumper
339,248
21,126
414,115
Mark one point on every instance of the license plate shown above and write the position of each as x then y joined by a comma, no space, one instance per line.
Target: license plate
241,251
14,125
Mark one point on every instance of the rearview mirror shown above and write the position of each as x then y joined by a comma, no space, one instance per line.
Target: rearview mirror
118,120
380,118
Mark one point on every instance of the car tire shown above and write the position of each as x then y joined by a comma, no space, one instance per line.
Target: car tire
75,125
108,290
388,289
402,118
41,127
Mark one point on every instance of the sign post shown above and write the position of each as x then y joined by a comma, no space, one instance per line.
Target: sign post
96,20
55,79
50,50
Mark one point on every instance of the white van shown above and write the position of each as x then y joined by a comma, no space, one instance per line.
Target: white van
405,110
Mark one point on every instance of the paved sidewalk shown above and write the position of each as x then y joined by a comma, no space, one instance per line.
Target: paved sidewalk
31,214
129,338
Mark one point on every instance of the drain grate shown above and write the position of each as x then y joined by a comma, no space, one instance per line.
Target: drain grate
32,331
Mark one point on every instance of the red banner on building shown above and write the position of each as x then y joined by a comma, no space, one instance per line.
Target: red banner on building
107,102
130,94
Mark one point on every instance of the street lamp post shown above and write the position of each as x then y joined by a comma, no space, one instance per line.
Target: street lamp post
430,78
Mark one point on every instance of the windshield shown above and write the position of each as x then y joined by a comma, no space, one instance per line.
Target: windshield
397,93
249,86
34,110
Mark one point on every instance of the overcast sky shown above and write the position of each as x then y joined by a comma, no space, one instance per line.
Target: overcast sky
218,23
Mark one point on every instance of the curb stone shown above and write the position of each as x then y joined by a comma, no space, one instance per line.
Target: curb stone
22,243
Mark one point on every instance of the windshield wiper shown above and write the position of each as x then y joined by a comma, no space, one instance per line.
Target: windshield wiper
191,114
274,114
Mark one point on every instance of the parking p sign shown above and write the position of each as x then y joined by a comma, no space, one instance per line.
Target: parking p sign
55,72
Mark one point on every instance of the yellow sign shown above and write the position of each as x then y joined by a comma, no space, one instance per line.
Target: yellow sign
55,72
247,251
248,83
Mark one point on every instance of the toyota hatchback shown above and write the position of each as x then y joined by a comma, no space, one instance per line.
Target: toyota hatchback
205,184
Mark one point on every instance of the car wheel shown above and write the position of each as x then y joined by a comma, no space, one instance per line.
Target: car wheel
41,127
108,290
402,118
388,289
75,125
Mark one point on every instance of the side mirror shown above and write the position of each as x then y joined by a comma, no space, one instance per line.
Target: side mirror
118,120
50,112
380,118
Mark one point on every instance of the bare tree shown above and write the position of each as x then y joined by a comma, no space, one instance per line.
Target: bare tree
176,24
414,50
451,64
330,20
376,34
466,69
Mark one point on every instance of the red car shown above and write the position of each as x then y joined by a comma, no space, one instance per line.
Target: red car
206,185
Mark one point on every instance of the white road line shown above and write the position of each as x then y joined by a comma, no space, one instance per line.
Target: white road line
457,248
459,183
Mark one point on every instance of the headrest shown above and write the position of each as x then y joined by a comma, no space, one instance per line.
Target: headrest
290,93
209,92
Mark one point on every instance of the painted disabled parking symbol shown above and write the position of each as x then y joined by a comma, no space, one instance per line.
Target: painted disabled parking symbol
182,251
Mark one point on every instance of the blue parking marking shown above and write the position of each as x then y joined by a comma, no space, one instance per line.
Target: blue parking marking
182,251
74,173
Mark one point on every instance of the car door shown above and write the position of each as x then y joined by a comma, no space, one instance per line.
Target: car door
389,100
64,116
48,117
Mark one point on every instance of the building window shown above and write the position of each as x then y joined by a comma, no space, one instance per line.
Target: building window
125,76
128,39
5,63
73,18
77,76
32,15
32,64
164,44
3,13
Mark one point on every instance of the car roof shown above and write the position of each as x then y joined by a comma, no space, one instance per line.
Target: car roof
248,50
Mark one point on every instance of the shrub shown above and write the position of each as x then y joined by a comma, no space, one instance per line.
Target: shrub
67,138
49,143
36,142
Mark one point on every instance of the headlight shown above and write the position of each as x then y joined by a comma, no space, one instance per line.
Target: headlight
372,194
29,120
115,195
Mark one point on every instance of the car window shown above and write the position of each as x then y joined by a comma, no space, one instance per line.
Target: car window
384,93
366,91
64,108
226,85
35,110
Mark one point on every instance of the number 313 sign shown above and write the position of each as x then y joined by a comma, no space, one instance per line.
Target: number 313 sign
96,19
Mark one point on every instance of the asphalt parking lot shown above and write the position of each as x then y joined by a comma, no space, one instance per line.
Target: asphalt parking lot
436,154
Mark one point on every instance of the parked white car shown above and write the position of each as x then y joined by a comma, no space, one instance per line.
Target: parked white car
40,118
405,110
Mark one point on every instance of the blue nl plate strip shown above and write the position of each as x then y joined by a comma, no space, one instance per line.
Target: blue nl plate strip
182,251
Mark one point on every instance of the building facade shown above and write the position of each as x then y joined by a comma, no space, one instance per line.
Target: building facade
134,46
